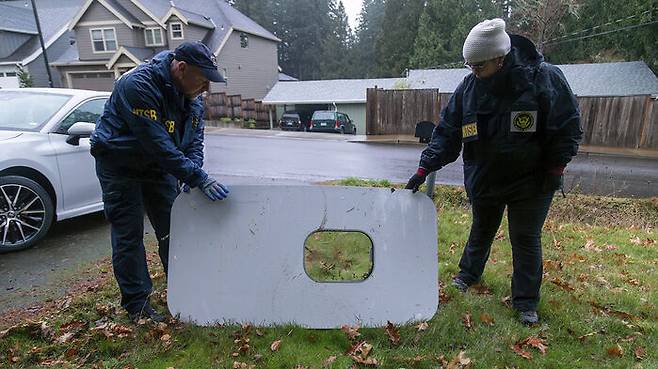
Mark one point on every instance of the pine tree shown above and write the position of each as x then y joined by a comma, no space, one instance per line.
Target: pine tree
337,44
429,47
367,33
399,28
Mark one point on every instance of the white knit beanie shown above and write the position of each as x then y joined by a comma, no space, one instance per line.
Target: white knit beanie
487,40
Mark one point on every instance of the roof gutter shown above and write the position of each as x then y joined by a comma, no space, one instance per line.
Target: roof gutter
308,102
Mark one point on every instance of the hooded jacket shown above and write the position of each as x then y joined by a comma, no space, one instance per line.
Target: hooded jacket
514,127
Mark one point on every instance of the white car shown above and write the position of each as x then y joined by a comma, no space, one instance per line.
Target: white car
46,171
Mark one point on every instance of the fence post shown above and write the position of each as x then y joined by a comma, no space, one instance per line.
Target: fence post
430,182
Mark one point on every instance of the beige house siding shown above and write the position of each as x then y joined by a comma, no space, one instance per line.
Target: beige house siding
124,35
251,71
174,43
97,13
194,33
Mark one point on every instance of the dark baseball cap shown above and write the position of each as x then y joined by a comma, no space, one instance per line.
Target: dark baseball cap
199,55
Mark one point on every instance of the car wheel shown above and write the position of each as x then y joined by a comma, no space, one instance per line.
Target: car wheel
342,130
26,213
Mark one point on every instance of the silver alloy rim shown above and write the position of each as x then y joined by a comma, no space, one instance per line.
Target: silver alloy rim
22,215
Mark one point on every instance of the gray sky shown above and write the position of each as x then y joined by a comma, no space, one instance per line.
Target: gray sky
352,8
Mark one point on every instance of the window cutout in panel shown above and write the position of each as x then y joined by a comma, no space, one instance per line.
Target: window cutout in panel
338,256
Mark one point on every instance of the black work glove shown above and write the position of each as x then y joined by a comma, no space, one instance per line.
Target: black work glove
213,189
553,180
416,180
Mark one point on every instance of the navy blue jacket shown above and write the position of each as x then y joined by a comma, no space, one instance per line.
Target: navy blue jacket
514,127
147,121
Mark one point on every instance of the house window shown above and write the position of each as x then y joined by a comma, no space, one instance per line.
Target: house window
103,40
10,74
244,40
177,31
153,37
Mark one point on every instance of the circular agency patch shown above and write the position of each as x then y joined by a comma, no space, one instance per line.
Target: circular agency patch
523,120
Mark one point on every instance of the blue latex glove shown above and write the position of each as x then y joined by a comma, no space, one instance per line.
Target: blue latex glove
213,189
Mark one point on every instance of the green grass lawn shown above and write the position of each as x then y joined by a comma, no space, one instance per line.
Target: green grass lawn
598,307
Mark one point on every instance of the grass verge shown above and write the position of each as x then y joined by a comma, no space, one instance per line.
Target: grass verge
598,309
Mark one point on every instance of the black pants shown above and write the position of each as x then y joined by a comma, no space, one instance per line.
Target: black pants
526,219
129,192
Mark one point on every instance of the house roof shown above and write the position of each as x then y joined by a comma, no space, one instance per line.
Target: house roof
601,79
445,80
197,18
611,79
605,79
15,19
69,57
217,14
327,91
123,11
54,16
286,78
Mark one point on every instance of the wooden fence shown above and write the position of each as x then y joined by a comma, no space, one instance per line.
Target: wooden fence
220,105
622,122
390,112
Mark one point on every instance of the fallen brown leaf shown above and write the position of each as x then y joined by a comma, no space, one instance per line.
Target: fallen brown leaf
328,361
563,284
532,341
615,351
584,336
460,362
467,321
552,265
590,245
66,337
359,353
241,365
481,289
52,362
538,343
352,332
392,333
275,345
486,319
521,352
422,326
443,297
639,352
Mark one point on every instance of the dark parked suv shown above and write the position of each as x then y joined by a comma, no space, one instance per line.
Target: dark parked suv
332,121
294,121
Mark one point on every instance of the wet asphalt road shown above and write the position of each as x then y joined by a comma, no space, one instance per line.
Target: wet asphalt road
235,157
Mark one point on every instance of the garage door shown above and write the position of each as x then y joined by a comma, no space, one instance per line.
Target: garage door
101,81
8,80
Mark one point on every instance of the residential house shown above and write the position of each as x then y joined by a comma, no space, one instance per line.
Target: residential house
19,41
98,40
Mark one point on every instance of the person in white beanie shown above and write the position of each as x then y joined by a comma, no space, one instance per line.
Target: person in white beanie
519,125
